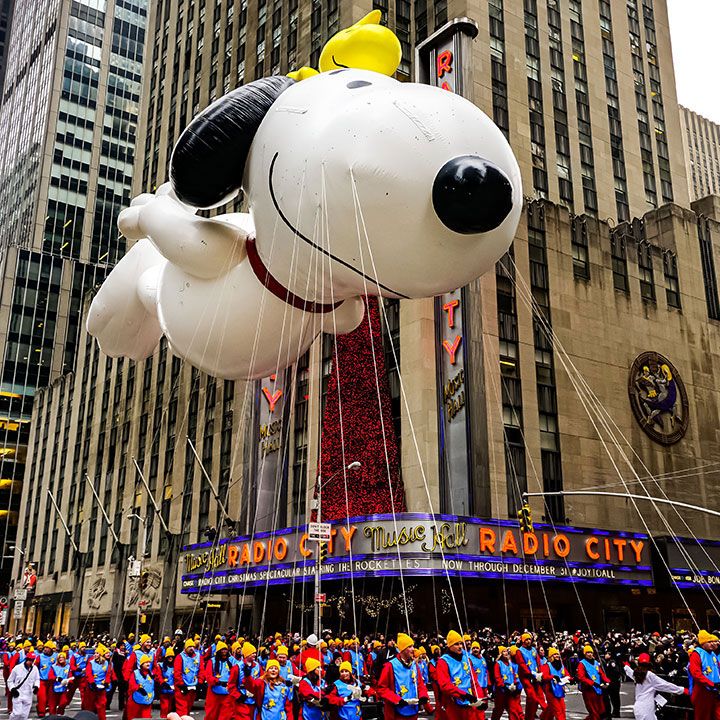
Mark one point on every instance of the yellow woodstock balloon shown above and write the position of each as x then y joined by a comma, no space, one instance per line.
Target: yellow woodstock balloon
366,45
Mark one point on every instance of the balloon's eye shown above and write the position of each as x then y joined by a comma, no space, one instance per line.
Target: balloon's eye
357,84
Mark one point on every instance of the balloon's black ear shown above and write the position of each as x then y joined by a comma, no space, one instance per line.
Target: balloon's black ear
208,161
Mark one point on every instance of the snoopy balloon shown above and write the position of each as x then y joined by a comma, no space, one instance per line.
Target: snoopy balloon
355,184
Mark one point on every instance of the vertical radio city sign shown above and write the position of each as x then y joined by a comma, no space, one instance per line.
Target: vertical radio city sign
444,60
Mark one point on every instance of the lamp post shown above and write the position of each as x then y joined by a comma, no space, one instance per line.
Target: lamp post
317,506
143,540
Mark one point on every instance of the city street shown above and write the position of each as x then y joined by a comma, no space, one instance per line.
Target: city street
576,709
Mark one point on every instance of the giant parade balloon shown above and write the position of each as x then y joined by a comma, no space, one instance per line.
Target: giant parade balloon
355,184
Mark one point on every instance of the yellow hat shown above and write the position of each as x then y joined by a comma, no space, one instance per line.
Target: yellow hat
422,650
433,648
27,644
145,659
453,638
282,650
82,645
66,648
345,665
170,652
466,637
525,636
311,664
49,644
131,636
221,646
62,655
588,648
189,644
262,648
552,652
323,645
513,649
501,649
278,635
376,644
196,637
248,649
100,649
704,636
11,645
404,641
337,641
235,646
476,644
272,663
218,637
136,647
144,639
39,644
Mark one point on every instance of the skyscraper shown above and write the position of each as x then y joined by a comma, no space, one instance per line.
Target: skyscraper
585,93
68,121
702,153
6,8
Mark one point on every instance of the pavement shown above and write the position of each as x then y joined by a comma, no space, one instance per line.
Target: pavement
574,703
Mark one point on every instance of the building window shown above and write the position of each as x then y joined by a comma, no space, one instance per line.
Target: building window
618,254
672,281
581,260
647,279
708,269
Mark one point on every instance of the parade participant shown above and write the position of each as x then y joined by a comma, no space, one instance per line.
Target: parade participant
132,663
100,676
61,683
7,654
286,669
353,656
422,662
327,653
647,687
530,676
165,678
236,656
118,659
461,696
23,683
44,662
187,668
78,667
313,701
141,690
507,687
129,643
270,692
480,666
704,673
554,679
218,702
346,695
244,700
592,680
400,685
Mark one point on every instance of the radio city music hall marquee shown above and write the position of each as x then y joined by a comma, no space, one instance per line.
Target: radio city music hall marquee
420,545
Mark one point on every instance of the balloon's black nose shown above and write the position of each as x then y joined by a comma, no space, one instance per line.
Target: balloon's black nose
471,195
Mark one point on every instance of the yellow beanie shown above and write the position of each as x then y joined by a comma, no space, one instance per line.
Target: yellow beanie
422,650
272,663
145,659
404,641
525,636
552,652
501,649
282,650
235,646
453,638
248,649
433,648
476,644
588,648
513,649
144,639
466,637
101,649
170,652
704,636
311,664
345,665
221,646
189,644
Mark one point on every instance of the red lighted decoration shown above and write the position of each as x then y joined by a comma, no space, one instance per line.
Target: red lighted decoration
353,382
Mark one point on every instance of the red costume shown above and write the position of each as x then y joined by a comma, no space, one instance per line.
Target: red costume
97,697
256,686
534,696
386,691
704,699
184,701
505,699
594,702
133,709
167,699
218,706
449,692
555,709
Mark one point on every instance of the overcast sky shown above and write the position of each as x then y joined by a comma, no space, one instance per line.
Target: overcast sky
695,35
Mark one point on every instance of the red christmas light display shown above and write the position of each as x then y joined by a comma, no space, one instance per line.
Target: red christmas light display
353,391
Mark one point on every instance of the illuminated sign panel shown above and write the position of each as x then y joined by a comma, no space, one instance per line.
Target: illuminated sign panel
421,545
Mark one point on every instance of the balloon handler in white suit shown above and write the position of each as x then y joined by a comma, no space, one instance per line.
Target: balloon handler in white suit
647,687
23,683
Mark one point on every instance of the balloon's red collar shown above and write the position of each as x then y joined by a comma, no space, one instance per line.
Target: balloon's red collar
278,289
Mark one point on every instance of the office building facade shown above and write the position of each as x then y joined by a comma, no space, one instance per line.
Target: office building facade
702,153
